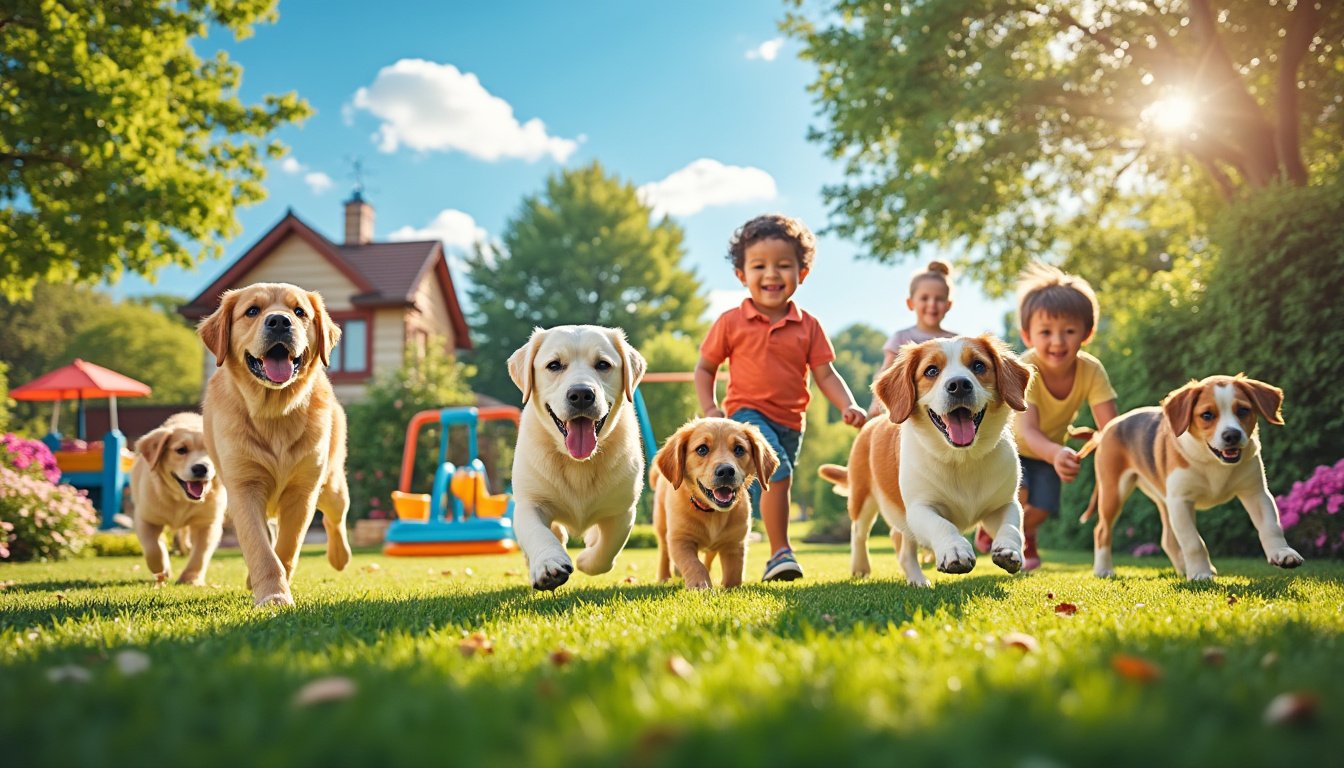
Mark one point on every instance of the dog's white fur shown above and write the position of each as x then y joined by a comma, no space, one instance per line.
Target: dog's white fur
554,492
928,490
168,458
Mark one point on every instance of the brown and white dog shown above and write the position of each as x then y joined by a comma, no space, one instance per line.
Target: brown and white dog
174,485
945,459
1199,449
700,479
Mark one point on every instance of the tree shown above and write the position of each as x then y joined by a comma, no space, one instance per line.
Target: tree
36,332
583,252
1107,132
670,405
146,345
121,149
858,358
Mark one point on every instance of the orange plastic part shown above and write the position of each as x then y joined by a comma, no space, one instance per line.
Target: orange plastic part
450,548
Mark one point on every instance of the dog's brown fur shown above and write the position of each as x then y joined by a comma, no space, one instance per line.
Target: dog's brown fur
169,458
687,464
279,448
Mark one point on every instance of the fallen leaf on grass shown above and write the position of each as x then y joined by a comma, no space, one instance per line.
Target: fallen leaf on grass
60,597
1066,609
1269,660
69,673
1135,668
1231,599
448,572
629,580
132,662
7,584
1214,656
561,656
476,643
1292,708
372,568
828,618
1049,595
680,667
512,573
325,689
1021,641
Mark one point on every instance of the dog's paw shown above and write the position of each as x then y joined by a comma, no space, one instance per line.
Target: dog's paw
1285,558
277,599
162,578
550,572
698,584
591,563
958,558
1201,575
919,580
192,579
861,573
1103,573
1008,559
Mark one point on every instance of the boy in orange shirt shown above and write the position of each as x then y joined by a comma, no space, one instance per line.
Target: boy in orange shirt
771,344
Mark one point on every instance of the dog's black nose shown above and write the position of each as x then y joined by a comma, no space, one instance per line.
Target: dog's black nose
1231,436
199,470
581,397
277,323
724,472
959,387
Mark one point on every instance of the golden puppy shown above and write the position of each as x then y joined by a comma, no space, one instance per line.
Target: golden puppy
1198,450
174,485
943,461
716,460
274,428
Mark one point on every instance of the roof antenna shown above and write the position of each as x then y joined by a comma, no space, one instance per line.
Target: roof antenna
360,175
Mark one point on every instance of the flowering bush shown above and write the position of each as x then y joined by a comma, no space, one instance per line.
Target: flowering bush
39,520
28,457
1310,511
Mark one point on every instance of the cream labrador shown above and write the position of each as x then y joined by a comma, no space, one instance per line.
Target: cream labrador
275,429
578,468
174,485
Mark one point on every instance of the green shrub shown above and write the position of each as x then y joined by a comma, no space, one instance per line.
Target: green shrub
109,544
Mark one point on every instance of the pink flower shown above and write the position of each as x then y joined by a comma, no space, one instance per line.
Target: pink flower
1146,549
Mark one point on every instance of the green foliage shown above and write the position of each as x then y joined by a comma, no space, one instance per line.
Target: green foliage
827,440
377,427
673,404
109,544
6,404
41,521
582,252
120,148
146,345
1012,130
858,358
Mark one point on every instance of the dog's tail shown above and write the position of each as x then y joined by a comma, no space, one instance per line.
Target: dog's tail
1091,507
834,473
1090,437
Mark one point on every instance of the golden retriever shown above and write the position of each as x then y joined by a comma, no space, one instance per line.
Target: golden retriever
1198,450
716,460
174,485
943,461
275,429
578,468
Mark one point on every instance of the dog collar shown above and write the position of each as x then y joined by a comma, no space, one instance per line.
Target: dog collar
696,503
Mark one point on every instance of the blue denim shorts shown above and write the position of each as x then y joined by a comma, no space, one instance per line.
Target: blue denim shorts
1042,484
785,441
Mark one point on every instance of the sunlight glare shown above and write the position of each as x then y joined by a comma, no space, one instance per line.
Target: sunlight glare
1172,114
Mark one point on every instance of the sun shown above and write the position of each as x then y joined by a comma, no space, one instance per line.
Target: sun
1171,114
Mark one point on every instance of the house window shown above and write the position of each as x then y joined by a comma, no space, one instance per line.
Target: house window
351,355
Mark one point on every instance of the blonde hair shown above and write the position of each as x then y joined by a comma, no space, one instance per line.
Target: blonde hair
1045,288
937,271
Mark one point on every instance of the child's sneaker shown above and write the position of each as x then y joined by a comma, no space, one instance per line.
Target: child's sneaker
782,567
1031,559
983,542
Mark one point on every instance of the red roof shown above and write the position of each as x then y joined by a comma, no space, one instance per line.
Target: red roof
385,274
80,379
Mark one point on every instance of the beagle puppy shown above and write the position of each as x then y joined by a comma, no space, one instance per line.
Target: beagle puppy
1197,450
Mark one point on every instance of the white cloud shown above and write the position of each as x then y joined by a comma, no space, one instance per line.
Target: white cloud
455,228
290,165
721,300
429,106
766,51
318,181
706,183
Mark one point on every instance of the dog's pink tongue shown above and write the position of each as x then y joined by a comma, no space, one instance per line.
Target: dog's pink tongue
960,427
582,438
723,495
195,488
278,369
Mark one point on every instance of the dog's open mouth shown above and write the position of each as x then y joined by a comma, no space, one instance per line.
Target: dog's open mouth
276,367
1227,455
722,496
194,489
580,433
958,426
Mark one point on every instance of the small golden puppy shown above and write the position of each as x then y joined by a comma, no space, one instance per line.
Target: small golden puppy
275,429
716,460
174,485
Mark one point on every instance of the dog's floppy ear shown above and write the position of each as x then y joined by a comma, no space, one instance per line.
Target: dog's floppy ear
1011,376
215,330
1267,399
1179,406
152,444
895,387
633,364
762,455
671,458
328,333
520,363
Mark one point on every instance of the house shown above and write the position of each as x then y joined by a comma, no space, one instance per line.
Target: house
384,296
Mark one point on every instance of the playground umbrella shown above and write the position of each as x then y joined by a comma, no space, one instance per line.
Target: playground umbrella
79,380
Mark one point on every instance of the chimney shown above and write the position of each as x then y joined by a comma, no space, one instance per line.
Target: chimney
358,220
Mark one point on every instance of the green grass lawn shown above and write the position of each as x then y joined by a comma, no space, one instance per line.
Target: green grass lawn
820,671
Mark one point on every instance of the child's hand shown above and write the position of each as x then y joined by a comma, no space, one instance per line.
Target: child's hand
715,413
855,416
1066,464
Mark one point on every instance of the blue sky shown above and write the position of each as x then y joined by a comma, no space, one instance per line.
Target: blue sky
460,110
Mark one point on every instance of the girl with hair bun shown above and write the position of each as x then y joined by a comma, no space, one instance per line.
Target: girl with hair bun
930,299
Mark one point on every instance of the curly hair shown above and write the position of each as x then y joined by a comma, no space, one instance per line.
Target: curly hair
776,226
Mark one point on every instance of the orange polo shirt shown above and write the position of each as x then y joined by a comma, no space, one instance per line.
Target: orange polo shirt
768,362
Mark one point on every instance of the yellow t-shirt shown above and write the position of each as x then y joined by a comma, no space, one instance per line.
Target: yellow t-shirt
1090,383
